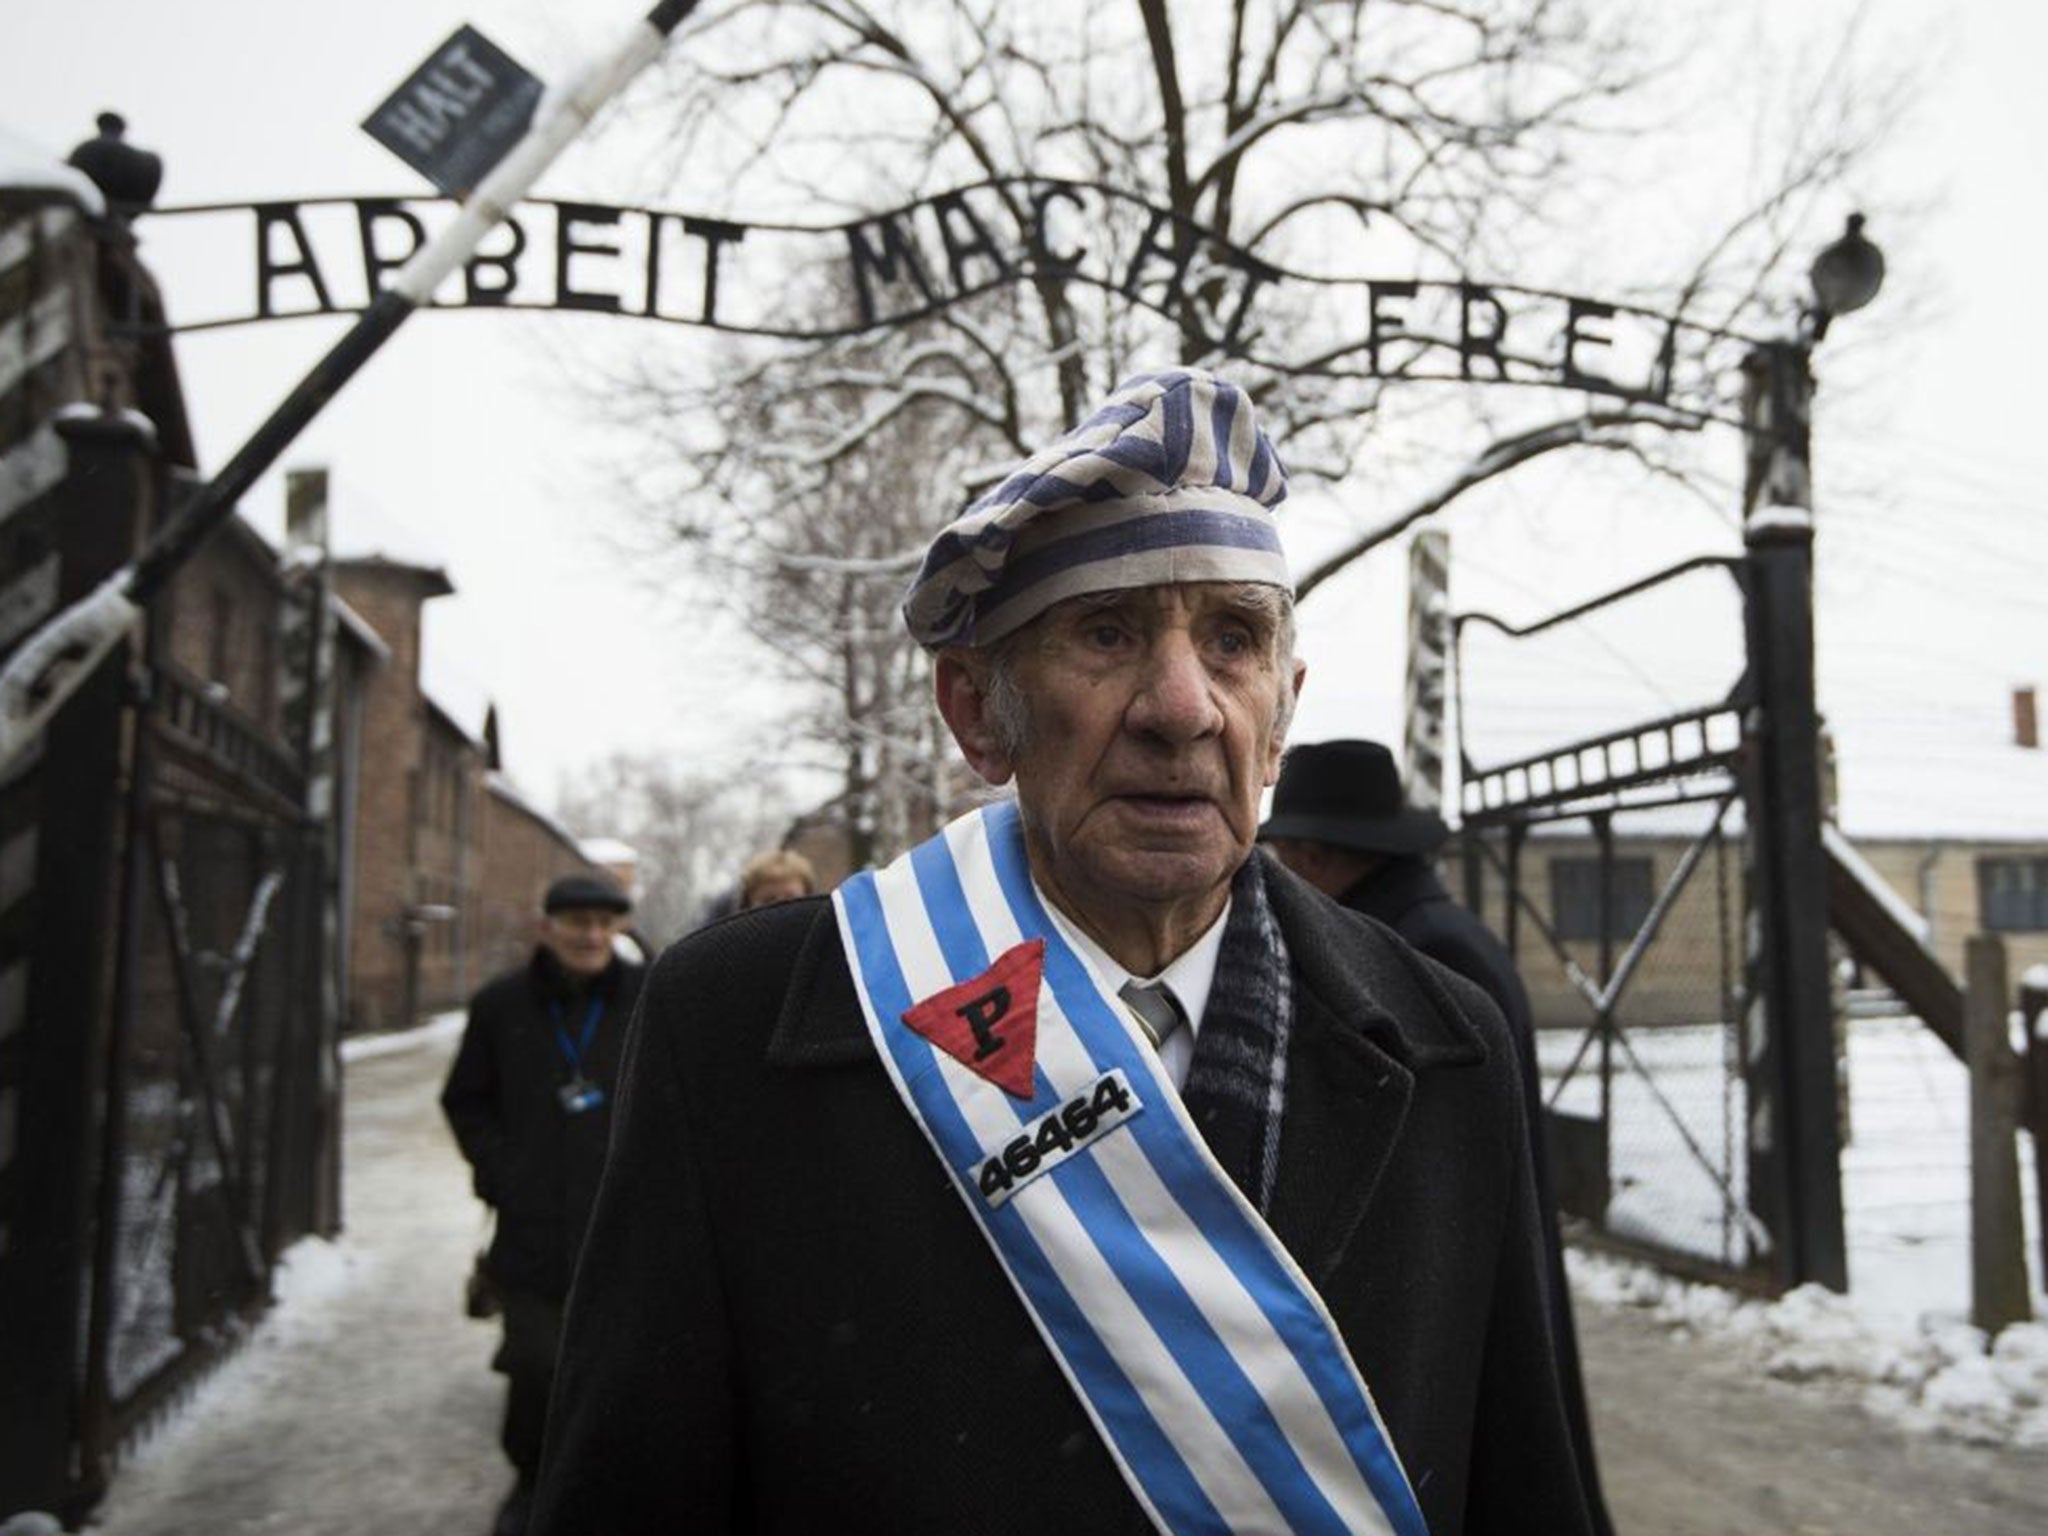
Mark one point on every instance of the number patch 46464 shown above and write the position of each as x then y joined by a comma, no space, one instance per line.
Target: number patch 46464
1043,1144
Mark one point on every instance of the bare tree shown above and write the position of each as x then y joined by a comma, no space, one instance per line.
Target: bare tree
1291,139
693,831
798,483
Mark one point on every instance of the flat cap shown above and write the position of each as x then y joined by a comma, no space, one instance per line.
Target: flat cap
1170,480
573,891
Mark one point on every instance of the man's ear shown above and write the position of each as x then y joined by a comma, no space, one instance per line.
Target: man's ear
1282,719
961,687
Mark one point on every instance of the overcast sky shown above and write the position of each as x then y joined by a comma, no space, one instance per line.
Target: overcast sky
459,444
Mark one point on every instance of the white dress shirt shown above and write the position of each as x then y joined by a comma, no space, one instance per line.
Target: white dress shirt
1189,975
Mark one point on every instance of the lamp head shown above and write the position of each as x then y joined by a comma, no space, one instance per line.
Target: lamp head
1847,275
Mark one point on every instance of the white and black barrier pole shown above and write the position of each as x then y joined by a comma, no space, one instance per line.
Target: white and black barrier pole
51,664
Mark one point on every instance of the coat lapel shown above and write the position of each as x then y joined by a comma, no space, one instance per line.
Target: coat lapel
1346,1102
820,1024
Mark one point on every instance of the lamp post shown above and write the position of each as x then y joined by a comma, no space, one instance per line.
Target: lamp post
1789,1045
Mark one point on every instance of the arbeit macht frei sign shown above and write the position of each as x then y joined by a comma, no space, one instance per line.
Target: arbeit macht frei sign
318,256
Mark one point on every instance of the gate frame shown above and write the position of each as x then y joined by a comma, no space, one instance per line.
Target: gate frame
1786,1022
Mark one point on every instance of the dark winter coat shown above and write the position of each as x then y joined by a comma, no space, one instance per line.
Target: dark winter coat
1406,895
786,1320
534,1162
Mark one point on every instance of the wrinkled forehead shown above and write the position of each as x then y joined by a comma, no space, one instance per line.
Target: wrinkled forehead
1261,606
1254,599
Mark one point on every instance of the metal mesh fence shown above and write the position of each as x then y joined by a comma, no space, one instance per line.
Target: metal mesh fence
212,1068
1628,934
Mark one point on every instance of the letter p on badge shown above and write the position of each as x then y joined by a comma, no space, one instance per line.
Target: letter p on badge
989,1023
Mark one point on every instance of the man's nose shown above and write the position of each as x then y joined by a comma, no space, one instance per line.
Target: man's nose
1175,700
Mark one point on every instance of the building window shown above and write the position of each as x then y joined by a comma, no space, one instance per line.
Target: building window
1575,898
2014,893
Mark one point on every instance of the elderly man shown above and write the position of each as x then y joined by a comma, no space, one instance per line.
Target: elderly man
529,1100
1082,1170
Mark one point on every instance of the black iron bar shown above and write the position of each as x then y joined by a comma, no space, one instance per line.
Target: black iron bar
51,664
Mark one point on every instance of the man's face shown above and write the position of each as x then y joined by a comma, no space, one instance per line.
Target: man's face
1151,724
581,938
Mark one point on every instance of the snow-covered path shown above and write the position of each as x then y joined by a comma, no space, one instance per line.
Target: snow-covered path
365,1402
1695,1440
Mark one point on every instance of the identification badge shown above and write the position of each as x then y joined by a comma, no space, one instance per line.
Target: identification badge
578,1095
1043,1144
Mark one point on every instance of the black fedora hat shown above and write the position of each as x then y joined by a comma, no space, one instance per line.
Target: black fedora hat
1348,794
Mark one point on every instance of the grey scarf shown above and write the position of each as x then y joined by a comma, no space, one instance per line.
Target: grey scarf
1237,1082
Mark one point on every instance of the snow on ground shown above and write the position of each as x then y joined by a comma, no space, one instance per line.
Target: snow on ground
310,1278
1936,1376
443,1027
316,1281
1900,1341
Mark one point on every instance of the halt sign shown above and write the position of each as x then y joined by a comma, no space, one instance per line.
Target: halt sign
458,113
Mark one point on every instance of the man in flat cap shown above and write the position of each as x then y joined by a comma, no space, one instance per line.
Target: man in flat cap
1343,822
1082,1170
529,1100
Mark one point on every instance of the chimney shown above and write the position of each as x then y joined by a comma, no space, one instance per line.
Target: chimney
305,509
2026,722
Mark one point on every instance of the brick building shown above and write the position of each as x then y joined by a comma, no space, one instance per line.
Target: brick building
188,849
1949,806
450,859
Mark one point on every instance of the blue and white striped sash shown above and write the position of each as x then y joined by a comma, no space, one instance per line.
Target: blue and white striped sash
1205,1358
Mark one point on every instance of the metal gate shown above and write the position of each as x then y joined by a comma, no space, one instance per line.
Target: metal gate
168,1100
214,1096
1615,868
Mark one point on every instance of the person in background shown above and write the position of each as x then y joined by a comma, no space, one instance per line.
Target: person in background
1343,823
781,874
529,1099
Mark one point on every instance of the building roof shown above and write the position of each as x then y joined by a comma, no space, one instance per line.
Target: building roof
432,577
1944,771
31,173
453,726
357,628
504,789
608,850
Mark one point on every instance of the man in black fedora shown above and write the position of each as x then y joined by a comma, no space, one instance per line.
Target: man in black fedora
1342,822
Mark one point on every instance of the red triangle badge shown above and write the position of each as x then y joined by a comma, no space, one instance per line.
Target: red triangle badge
989,1023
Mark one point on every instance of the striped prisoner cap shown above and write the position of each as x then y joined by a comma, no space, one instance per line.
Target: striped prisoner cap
1170,480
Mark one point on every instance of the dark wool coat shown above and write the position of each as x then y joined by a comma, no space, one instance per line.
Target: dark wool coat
537,1165
786,1320
1406,895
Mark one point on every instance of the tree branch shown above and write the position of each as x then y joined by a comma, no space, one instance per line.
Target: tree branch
1595,429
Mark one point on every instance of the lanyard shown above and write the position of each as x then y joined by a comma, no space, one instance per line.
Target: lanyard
574,1053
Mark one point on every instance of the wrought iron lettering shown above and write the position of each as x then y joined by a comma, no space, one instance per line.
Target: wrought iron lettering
330,255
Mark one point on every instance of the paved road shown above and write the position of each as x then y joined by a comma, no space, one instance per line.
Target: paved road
1692,1444
366,1405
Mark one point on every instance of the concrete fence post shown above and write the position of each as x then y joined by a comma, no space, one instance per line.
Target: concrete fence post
1998,1260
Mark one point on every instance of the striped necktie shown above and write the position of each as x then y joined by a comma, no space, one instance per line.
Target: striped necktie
1158,1010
